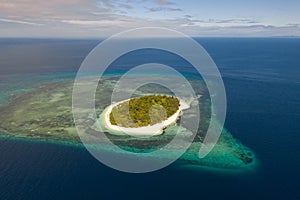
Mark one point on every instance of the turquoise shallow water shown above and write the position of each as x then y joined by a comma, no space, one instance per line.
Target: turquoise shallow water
220,157
262,83
16,84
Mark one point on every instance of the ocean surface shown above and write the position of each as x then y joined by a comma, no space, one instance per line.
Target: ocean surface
262,81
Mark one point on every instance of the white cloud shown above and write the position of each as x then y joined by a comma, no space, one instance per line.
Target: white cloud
19,22
91,22
102,18
157,9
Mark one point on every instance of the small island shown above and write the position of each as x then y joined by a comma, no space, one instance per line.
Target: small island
145,115
45,115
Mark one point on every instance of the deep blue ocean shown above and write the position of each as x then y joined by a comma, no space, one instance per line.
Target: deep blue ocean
262,81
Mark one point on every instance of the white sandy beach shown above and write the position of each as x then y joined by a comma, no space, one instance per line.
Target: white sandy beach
149,130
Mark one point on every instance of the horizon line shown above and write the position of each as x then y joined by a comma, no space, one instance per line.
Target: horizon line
103,38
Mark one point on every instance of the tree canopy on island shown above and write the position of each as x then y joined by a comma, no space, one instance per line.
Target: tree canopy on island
144,111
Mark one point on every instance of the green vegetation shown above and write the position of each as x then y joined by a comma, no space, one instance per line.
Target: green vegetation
45,114
144,111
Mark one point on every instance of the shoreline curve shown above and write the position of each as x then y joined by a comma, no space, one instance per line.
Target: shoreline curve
150,130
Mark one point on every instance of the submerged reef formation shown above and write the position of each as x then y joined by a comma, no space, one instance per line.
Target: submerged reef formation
46,114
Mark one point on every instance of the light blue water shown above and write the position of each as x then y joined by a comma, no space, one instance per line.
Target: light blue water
262,80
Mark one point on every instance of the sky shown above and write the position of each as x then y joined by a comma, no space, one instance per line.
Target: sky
103,18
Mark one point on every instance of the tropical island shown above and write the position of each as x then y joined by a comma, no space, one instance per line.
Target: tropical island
44,114
145,115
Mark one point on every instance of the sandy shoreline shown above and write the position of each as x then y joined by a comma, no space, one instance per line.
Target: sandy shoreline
149,130
55,116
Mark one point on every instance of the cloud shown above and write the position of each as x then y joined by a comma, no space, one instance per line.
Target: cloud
293,25
188,16
226,21
46,9
163,2
115,5
19,22
249,31
95,22
158,9
161,5
89,22
229,22
102,18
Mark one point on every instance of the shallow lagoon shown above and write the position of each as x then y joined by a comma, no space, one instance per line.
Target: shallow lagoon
44,114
